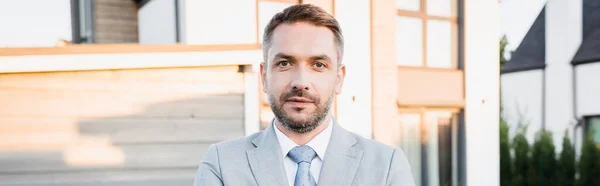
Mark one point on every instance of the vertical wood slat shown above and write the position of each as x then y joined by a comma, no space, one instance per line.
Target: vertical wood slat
115,21
423,10
384,66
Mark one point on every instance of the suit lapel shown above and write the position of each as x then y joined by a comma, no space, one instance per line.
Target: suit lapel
266,160
341,158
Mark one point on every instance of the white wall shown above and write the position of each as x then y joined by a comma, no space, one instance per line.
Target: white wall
156,22
482,83
588,95
220,22
588,89
34,23
522,100
266,11
563,37
354,103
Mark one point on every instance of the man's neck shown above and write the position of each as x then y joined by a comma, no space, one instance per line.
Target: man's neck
304,138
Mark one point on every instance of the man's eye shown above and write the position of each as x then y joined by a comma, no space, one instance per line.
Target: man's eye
319,64
284,63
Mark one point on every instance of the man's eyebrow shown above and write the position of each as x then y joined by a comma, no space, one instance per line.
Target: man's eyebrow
320,57
283,56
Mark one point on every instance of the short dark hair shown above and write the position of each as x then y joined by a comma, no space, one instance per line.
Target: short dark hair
304,13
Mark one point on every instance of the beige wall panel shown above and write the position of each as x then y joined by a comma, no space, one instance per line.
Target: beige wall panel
430,87
149,177
147,80
23,103
81,157
209,88
30,134
384,68
87,125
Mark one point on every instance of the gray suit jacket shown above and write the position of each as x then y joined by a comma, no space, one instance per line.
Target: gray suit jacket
349,160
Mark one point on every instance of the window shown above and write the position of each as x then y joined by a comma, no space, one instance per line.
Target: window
82,17
429,140
593,125
426,33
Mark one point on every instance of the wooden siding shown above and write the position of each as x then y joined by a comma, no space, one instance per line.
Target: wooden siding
128,48
430,87
383,69
115,21
115,127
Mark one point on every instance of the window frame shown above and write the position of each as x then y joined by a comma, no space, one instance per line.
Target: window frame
82,21
424,17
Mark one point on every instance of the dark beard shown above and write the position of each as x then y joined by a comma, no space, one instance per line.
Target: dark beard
304,126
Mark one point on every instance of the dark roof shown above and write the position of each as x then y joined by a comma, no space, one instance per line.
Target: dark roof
531,53
589,51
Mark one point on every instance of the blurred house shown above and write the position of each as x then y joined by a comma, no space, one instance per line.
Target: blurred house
124,92
551,81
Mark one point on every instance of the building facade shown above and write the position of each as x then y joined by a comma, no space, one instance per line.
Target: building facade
141,88
549,83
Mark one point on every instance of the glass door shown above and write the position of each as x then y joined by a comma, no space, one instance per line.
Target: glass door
429,139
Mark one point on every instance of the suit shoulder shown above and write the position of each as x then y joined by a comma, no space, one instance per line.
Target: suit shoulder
372,145
377,153
237,143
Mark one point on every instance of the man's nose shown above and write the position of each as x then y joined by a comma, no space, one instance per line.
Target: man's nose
300,79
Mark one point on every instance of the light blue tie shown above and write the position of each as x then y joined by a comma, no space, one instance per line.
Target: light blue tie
303,156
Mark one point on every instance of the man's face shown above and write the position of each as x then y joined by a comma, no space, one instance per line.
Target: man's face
301,75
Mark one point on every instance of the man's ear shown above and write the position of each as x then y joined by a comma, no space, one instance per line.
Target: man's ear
341,75
263,76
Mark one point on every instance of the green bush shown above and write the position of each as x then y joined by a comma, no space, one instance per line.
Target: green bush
521,160
589,163
543,158
505,157
537,165
566,163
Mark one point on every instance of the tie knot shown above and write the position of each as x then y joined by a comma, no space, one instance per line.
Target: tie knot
302,154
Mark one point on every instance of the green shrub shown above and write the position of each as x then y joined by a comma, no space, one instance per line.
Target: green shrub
505,157
543,160
566,163
521,162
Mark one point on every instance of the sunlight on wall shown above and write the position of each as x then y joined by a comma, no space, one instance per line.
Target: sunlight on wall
59,135
35,63
29,135
89,151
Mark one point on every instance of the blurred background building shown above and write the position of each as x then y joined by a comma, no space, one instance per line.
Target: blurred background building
551,80
132,92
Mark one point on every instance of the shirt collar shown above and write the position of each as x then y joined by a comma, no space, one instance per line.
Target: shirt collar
319,143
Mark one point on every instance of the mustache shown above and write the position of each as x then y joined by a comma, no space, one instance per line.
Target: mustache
299,93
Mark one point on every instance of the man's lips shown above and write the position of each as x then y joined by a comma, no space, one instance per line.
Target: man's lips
299,99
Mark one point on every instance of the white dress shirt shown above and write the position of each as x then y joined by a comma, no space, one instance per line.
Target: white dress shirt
318,143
